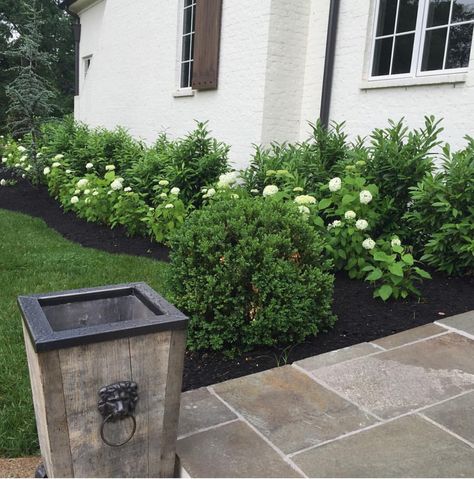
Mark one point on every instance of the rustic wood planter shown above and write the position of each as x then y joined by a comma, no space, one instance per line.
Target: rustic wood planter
78,342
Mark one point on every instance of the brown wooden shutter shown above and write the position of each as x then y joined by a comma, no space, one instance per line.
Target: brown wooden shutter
206,44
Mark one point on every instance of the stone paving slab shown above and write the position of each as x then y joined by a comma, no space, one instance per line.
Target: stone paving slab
405,447
338,356
291,409
409,336
463,322
232,450
395,382
199,410
457,415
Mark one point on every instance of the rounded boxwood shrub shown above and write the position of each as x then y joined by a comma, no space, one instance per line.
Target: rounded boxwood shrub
250,272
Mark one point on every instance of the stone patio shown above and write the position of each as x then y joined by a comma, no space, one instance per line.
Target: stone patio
401,406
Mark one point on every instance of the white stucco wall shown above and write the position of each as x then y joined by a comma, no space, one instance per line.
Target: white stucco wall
365,109
133,75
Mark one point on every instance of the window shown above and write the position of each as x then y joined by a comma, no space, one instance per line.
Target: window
87,64
422,37
187,41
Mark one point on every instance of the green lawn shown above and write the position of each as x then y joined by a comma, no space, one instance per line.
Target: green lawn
35,259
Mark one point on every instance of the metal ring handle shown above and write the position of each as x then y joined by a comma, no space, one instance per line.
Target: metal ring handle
104,422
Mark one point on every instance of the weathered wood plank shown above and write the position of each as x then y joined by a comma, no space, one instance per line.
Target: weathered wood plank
85,370
50,412
172,402
149,359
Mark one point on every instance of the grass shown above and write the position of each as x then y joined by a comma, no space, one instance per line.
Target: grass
36,259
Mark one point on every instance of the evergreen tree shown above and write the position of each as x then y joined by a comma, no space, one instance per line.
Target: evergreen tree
31,96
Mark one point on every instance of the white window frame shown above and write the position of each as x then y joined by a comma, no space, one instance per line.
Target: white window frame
418,45
180,90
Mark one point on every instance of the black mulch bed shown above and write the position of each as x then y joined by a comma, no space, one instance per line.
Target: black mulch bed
361,318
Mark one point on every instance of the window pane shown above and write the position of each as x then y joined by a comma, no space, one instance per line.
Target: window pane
433,53
382,56
186,48
407,13
438,13
188,2
187,20
185,75
463,10
386,20
403,53
459,46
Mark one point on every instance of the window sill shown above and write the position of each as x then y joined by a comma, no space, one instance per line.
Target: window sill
183,92
418,81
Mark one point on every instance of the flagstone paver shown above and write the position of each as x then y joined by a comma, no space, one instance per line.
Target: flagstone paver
463,322
409,336
200,410
338,356
457,415
395,382
232,450
405,447
291,409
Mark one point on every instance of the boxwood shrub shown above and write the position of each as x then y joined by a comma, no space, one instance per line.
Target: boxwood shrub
250,272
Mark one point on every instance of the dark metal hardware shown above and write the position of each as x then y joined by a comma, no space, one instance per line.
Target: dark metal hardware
117,402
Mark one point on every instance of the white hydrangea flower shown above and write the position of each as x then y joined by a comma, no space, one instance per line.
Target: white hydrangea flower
254,191
82,183
116,184
228,179
68,172
163,195
234,196
336,223
335,184
127,189
169,206
28,168
305,200
365,197
23,159
270,190
89,166
74,200
368,244
86,192
77,192
304,209
350,215
110,167
163,182
47,170
56,164
3,182
95,193
4,160
21,149
362,225
210,192
298,189
175,191
204,190
396,242
58,157
17,165
39,154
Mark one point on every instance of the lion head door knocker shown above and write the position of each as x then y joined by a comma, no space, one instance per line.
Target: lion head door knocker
117,402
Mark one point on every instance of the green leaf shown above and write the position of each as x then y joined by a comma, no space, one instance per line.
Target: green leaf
375,275
325,203
396,269
381,256
408,259
423,273
346,199
385,291
397,249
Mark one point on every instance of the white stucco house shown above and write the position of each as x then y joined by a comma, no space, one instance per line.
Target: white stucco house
258,70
